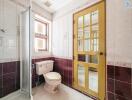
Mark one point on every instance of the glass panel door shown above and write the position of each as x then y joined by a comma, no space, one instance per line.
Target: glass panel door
89,50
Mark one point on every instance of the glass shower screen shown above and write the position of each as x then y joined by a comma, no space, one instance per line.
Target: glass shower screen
26,52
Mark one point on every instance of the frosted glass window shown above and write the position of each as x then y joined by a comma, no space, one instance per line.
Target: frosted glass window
41,35
40,44
87,45
95,28
80,45
80,33
87,32
80,21
95,17
40,28
87,20
81,75
93,79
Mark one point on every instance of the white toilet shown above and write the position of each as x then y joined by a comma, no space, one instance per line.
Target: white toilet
52,79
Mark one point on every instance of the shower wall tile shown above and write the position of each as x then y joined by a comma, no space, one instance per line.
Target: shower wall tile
10,77
0,69
9,67
9,89
0,82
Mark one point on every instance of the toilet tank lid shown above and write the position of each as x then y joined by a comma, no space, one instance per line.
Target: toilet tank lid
44,62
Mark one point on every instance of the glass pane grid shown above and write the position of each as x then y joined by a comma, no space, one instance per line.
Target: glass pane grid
93,79
81,75
88,58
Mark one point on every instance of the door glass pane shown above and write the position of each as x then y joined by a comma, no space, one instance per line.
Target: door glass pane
96,34
81,75
80,45
87,20
88,58
95,28
93,79
87,32
80,21
80,33
87,45
95,17
95,44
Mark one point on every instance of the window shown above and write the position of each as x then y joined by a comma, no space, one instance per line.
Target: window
41,35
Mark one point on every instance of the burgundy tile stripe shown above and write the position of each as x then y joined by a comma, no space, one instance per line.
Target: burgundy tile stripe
9,77
35,78
62,66
119,84
65,68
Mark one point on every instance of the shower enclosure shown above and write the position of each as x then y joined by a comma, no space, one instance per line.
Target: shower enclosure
15,47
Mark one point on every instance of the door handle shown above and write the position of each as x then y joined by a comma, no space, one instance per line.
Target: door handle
101,53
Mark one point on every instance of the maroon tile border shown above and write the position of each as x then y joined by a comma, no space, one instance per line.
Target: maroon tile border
9,77
119,82
110,71
118,97
110,85
9,67
119,85
123,74
123,89
0,69
110,96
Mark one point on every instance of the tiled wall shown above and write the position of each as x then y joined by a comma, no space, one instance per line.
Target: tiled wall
36,80
119,78
63,66
9,77
119,83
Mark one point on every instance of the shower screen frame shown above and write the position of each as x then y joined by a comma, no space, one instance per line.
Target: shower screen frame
26,52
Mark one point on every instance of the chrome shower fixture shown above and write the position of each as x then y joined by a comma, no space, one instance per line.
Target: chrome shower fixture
3,30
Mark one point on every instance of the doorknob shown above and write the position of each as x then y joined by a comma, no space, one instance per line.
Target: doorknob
101,53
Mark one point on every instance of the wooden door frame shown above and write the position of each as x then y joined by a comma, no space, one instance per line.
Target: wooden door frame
104,48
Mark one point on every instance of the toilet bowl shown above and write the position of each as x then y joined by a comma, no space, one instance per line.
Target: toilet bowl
52,79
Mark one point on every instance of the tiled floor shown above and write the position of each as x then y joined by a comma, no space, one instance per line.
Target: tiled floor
15,96
64,93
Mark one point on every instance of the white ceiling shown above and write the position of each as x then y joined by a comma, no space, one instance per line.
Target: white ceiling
52,5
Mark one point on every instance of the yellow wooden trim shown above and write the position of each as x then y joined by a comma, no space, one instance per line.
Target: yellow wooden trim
100,67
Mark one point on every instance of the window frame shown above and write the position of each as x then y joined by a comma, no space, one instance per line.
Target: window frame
41,36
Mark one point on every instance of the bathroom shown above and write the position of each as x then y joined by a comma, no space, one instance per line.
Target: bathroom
38,34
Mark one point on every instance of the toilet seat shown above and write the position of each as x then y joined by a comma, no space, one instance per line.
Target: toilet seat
53,76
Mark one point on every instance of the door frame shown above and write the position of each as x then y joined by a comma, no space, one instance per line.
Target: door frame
102,95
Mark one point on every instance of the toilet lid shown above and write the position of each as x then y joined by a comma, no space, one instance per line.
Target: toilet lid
53,76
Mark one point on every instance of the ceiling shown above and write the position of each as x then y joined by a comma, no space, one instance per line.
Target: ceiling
52,5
